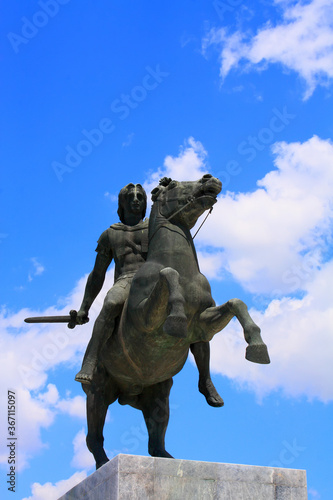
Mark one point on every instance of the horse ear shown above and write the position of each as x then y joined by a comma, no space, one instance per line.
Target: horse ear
154,194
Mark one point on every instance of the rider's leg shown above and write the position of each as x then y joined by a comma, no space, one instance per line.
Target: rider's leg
89,363
201,353
104,323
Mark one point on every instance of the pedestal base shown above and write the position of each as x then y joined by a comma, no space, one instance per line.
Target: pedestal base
129,477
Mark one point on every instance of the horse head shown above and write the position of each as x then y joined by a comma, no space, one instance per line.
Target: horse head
183,202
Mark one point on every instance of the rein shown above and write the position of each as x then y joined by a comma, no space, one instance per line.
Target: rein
191,200
210,211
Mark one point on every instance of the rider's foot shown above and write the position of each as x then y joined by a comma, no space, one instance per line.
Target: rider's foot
85,375
213,398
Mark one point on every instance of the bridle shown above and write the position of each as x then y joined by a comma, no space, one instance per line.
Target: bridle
191,199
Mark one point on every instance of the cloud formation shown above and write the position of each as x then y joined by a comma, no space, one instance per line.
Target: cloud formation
82,458
38,269
298,333
301,42
28,353
189,165
274,241
275,238
49,491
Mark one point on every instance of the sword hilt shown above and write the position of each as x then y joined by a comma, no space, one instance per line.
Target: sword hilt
72,323
71,319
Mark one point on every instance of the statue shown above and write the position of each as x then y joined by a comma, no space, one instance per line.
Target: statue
168,309
159,308
127,243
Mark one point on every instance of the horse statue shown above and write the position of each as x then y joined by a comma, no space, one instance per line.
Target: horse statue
169,308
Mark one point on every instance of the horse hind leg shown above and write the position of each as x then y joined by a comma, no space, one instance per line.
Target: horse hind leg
154,404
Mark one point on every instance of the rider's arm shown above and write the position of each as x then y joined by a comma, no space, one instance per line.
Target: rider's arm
95,281
96,277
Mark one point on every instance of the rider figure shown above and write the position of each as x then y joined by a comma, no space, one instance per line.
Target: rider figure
127,243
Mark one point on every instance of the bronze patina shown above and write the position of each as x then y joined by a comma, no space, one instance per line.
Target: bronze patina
169,310
159,309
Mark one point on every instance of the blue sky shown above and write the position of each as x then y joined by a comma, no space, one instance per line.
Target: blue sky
99,94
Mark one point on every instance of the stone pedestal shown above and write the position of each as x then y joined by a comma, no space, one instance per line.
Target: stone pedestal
129,477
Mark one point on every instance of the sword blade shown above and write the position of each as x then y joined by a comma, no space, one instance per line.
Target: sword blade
48,319
71,319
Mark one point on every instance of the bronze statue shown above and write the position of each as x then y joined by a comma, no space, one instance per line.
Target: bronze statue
169,309
127,243
159,308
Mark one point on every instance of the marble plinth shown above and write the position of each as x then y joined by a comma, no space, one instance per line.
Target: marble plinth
129,477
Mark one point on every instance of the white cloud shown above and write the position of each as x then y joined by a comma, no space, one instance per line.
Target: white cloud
112,197
75,407
49,491
189,165
128,140
314,494
272,240
51,396
301,42
282,227
82,458
38,269
275,238
299,336
211,264
28,353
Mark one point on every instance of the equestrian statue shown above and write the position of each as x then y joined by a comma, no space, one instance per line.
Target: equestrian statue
159,308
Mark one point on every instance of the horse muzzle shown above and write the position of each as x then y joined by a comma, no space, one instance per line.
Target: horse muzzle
209,189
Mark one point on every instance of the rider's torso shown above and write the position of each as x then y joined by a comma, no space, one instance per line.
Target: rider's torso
129,246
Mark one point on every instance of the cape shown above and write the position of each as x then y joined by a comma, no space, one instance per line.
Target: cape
119,226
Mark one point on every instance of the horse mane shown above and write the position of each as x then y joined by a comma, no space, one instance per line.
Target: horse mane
164,182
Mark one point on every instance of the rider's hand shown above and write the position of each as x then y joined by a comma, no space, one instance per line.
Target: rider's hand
82,317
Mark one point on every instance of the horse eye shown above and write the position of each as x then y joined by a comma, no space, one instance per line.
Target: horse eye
172,185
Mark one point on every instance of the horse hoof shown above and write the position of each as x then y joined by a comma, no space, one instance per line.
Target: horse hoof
215,402
100,464
213,398
176,326
257,353
160,454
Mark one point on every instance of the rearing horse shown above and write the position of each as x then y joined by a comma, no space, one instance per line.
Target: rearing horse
169,308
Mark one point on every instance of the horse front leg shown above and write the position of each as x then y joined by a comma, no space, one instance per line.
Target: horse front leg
154,404
164,305
201,353
214,319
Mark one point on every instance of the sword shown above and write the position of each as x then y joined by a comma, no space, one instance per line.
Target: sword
71,319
